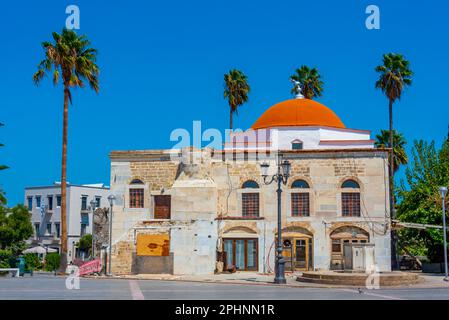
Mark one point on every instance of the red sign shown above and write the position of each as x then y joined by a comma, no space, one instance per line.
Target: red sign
90,267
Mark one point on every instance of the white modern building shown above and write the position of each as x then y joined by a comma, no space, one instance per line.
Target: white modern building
44,204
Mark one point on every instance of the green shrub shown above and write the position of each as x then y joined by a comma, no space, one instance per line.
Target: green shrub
5,258
52,261
32,261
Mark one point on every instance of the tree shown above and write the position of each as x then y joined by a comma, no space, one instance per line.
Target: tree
72,59
52,261
32,261
400,156
420,202
85,243
236,91
310,79
15,227
394,76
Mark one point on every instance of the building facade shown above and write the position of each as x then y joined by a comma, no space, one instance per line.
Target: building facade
44,204
196,211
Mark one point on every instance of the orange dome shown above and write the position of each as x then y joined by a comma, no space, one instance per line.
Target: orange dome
298,112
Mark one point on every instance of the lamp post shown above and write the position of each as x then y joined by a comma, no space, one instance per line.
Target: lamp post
281,177
111,199
443,192
92,206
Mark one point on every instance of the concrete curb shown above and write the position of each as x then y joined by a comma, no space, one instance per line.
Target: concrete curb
262,283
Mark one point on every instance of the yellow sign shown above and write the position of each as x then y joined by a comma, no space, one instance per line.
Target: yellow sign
153,245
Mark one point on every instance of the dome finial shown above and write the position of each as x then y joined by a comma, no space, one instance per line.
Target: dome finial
298,89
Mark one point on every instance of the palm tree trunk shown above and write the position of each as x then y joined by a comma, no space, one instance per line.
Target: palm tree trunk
64,182
394,255
230,118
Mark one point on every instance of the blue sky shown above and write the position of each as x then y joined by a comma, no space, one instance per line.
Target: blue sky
162,66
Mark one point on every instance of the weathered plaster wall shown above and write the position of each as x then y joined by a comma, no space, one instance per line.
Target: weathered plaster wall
206,204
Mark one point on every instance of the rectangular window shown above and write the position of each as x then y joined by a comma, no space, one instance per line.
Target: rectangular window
58,201
162,207
136,198
85,218
350,204
83,229
48,230
97,202
297,146
250,204
300,204
38,201
50,202
37,228
30,203
58,229
241,253
83,203
336,246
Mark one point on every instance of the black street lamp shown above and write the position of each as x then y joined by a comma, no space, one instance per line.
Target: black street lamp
443,192
281,177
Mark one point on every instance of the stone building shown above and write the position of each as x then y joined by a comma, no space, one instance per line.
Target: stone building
181,211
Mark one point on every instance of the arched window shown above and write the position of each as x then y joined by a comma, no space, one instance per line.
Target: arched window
136,195
250,184
350,184
350,200
300,184
300,201
297,145
136,181
250,200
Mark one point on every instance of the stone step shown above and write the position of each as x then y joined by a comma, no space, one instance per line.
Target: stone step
359,279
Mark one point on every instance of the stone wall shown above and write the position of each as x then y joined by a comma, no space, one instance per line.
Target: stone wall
158,174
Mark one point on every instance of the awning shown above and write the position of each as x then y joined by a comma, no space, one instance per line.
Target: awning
39,249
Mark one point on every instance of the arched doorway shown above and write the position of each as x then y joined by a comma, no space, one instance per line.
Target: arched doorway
341,236
297,243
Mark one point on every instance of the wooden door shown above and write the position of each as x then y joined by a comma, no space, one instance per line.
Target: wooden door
162,207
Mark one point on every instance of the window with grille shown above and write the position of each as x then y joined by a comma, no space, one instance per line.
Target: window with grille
350,204
300,204
136,198
250,204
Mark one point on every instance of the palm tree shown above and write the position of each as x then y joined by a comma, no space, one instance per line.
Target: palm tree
2,167
72,59
395,75
310,79
236,91
400,156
